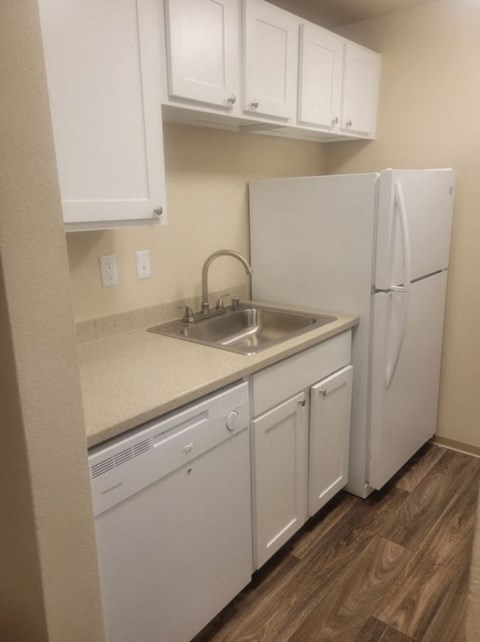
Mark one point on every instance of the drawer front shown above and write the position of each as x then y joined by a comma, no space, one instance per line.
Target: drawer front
279,382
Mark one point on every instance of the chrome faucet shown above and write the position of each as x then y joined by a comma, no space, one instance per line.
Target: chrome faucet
206,265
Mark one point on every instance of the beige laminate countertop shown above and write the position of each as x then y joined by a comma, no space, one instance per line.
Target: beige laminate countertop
131,378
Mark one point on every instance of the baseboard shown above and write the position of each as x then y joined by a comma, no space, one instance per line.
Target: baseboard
459,446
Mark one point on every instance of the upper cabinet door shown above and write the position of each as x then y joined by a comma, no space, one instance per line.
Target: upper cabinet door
320,77
103,63
360,90
203,50
270,60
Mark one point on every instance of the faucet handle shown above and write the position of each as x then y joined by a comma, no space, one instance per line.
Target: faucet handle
220,304
187,314
235,302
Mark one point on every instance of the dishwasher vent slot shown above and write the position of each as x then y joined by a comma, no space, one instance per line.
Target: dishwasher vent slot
120,458
233,401
102,467
141,447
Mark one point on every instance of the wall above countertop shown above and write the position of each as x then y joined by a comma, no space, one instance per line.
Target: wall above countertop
207,173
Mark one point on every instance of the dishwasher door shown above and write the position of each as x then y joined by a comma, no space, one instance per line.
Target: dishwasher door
175,551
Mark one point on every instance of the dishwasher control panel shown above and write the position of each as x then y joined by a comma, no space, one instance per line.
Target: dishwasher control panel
126,465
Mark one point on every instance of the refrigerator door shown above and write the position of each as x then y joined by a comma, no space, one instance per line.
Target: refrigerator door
406,354
414,224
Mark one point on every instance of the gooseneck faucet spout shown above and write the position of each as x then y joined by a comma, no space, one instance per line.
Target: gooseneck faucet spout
206,265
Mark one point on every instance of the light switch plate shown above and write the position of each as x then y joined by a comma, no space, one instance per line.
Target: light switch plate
142,258
108,270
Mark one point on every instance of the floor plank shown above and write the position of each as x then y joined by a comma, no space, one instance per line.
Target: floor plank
414,599
420,465
376,631
427,501
348,606
448,625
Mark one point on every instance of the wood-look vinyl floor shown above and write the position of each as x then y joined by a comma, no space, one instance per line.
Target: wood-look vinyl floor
392,568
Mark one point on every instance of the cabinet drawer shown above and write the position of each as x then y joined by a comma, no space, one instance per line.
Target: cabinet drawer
284,379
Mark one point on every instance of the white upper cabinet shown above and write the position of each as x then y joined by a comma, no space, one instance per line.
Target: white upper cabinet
270,60
103,63
248,63
320,77
360,90
203,50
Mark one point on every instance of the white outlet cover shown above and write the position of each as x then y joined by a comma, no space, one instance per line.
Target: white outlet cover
142,258
108,270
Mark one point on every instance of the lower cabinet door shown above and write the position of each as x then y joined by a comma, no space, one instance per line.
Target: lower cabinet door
280,443
330,405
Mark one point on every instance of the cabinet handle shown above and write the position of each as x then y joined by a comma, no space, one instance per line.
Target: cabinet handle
324,393
255,103
302,402
335,120
349,123
232,99
158,211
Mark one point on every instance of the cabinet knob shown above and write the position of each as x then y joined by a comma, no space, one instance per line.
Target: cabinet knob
302,402
335,120
158,211
255,103
349,123
232,99
324,393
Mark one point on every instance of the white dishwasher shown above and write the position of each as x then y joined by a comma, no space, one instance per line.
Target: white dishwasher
172,504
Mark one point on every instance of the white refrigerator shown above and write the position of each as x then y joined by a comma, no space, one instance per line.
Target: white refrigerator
376,245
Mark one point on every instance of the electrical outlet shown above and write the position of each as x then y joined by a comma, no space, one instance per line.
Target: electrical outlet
142,258
108,270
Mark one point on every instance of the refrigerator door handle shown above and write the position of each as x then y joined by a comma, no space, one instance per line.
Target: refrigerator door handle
391,366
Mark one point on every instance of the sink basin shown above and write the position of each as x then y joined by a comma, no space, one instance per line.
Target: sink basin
246,330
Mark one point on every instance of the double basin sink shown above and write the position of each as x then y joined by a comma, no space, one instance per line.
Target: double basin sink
246,330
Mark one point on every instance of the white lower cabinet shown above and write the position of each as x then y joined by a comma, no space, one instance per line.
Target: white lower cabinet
330,404
280,450
300,440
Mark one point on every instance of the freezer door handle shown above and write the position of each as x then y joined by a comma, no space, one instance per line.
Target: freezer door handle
406,249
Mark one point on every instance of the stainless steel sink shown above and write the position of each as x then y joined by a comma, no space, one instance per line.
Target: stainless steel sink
246,330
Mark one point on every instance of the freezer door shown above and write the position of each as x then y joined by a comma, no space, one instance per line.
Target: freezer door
415,209
406,354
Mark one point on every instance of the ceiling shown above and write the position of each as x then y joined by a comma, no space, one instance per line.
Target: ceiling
332,13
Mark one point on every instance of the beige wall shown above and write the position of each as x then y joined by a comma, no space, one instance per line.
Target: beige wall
207,174
429,117
48,569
